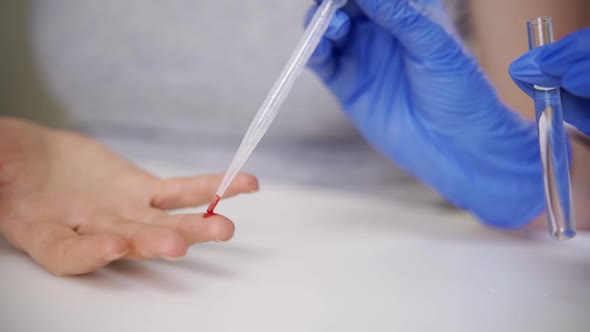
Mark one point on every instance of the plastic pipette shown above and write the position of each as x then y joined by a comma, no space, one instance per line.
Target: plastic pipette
279,92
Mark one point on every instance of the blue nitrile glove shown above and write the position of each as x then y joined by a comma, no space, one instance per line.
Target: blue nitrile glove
416,94
566,64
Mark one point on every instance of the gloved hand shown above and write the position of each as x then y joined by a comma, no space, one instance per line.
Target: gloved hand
566,64
416,94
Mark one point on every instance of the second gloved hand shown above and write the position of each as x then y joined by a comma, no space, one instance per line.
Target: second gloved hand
565,64
414,92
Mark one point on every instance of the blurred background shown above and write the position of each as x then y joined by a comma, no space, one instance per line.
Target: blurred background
180,80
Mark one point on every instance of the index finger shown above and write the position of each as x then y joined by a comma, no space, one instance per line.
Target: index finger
186,192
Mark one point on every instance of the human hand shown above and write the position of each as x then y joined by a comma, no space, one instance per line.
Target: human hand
408,83
75,206
564,64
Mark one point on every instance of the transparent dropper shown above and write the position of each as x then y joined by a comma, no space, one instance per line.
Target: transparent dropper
553,144
279,92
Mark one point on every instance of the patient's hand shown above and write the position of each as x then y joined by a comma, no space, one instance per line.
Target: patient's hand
75,206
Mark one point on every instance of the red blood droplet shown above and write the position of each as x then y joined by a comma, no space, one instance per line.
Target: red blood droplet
211,208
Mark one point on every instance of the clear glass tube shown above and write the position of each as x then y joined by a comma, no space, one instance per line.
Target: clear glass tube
553,144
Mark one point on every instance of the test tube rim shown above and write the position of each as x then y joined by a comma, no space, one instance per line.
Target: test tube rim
540,31
540,20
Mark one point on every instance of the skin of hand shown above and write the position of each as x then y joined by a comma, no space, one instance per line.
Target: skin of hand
75,206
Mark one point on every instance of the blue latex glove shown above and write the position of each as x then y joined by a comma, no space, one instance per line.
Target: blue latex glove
404,78
566,64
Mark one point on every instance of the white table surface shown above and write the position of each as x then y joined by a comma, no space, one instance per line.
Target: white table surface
312,259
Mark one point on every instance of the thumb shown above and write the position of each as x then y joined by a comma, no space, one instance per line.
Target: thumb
422,26
526,71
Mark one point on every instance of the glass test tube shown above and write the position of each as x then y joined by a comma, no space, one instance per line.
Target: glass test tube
552,142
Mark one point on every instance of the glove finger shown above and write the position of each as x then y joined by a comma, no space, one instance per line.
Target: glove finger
324,65
421,26
576,79
526,72
322,61
351,8
322,54
557,58
339,26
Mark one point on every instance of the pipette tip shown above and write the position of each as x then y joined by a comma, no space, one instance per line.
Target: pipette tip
212,206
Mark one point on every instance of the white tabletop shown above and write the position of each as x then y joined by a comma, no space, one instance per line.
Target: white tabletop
309,259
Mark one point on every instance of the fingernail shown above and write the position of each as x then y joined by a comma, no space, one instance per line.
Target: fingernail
113,257
223,241
256,186
173,259
57,274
